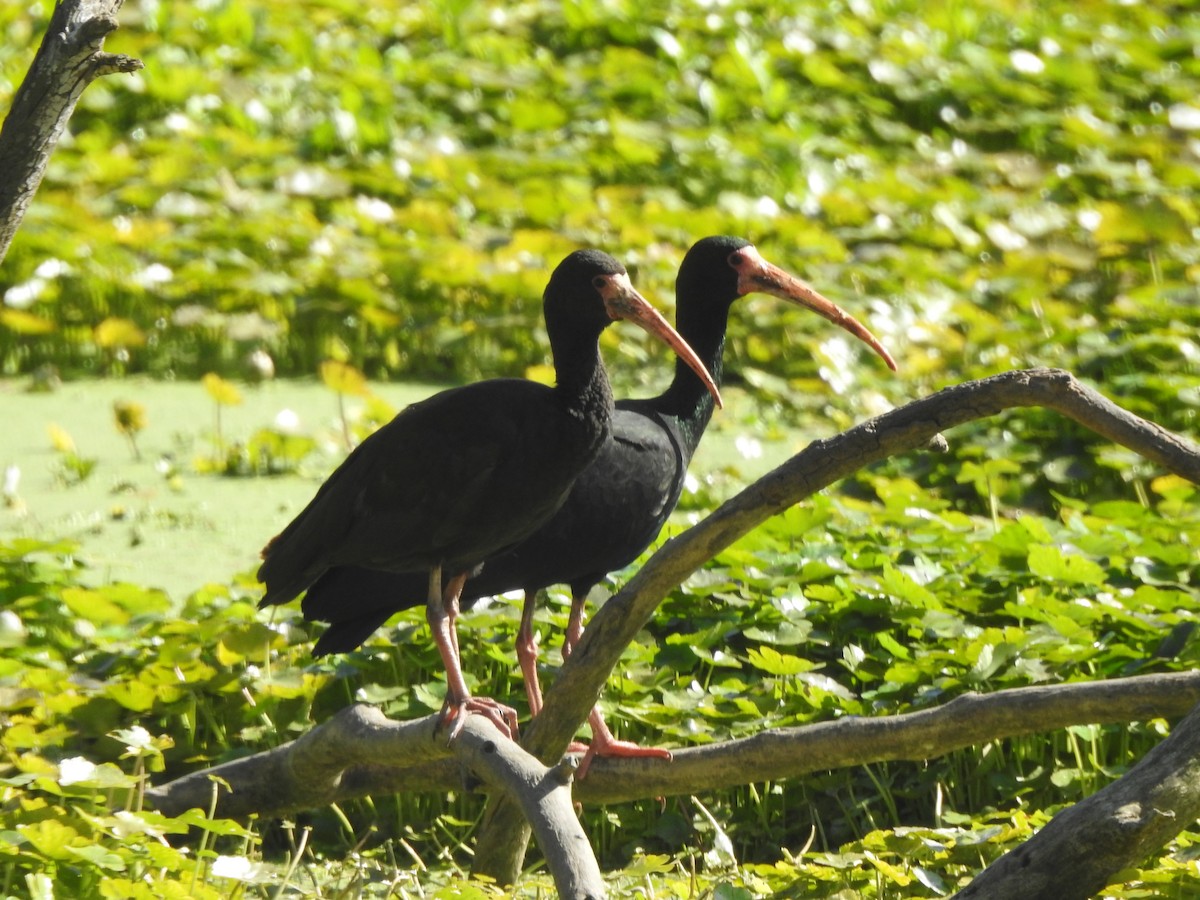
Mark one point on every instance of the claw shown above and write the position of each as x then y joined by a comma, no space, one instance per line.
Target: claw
614,747
455,714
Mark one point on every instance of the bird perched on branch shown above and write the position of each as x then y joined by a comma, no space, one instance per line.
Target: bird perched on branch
620,502
472,471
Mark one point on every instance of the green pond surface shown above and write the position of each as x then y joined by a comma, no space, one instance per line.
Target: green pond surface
163,521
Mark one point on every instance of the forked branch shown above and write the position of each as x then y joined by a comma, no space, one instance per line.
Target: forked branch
70,58
351,755
360,764
499,851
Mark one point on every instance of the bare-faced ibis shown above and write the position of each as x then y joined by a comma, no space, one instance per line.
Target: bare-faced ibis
621,501
471,472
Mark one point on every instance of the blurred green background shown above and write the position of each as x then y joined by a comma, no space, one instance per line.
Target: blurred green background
987,185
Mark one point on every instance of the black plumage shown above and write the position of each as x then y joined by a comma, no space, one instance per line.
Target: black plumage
619,504
472,471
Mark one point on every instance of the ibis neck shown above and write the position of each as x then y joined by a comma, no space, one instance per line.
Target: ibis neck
583,384
687,400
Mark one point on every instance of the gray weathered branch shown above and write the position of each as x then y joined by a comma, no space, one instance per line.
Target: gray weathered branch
345,757
310,770
70,58
819,465
500,847
1120,826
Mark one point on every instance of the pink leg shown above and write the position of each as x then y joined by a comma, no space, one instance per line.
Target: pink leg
527,653
450,595
440,611
603,742
574,623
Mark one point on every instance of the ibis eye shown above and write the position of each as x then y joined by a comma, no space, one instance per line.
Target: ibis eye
599,282
736,259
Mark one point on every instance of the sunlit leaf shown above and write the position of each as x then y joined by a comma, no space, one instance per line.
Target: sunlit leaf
118,332
22,322
224,392
60,440
1048,561
94,606
773,662
343,378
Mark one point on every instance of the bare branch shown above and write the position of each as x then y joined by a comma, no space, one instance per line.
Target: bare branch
69,59
308,772
545,798
304,773
1118,827
501,845
816,467
967,720
339,760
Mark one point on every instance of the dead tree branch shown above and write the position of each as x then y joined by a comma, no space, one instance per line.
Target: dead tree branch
350,764
340,759
70,58
308,772
500,848
1120,826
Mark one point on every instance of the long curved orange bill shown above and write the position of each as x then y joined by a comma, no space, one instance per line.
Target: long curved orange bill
756,274
623,301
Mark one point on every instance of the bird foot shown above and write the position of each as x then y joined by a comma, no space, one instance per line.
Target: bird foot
614,747
455,714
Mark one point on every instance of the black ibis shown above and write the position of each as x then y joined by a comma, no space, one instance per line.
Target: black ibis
621,501
472,471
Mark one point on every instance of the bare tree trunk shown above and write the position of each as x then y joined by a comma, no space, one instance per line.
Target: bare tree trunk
69,59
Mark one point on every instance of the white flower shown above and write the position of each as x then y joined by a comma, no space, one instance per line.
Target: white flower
1089,219
137,740
374,209
153,274
179,123
1027,63
22,296
345,124
75,769
12,480
287,421
1184,117
766,207
257,111
1004,237
129,823
12,629
239,868
749,447
52,268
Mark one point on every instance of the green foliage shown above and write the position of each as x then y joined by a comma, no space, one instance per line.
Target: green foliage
793,624
387,185
994,187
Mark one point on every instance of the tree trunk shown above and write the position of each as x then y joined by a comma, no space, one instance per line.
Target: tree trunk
69,59
1120,826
